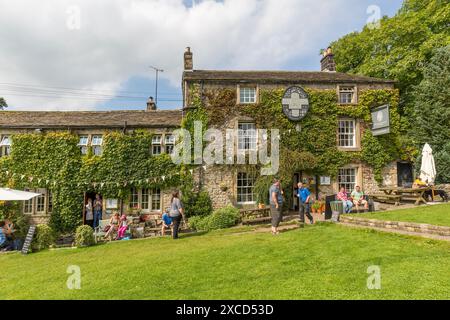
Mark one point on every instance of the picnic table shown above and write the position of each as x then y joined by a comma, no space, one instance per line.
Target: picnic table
398,194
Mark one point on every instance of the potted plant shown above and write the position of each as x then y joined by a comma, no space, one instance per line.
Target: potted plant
315,207
223,187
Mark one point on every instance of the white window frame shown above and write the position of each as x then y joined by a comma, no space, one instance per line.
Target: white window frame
344,91
83,145
169,143
346,138
97,144
247,94
247,136
134,199
33,204
43,197
243,195
157,144
153,195
5,145
345,176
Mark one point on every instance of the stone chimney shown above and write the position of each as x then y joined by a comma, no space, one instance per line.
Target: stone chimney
327,63
188,62
151,105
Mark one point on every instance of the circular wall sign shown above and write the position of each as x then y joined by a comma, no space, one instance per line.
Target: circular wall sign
295,103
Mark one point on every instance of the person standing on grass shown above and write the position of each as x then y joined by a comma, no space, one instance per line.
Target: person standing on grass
342,196
304,199
276,205
98,206
89,213
176,213
358,199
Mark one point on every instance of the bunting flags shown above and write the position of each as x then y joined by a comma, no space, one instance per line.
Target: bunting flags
46,182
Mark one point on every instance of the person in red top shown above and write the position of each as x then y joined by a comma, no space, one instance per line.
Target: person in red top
342,196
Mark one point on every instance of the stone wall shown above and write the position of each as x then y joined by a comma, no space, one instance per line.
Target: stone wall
38,219
389,173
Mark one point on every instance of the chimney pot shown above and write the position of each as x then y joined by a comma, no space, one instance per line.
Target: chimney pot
188,60
151,105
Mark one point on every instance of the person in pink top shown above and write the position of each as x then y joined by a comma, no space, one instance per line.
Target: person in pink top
342,196
123,226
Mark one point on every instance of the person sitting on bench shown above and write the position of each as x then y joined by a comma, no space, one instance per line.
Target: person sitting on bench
167,222
123,226
5,244
418,183
342,196
358,199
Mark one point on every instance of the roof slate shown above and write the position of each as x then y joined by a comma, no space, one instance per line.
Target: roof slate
90,119
281,76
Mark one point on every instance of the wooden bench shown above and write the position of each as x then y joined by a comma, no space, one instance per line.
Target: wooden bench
386,198
255,216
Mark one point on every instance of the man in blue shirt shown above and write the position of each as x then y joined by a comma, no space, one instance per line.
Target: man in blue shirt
304,199
276,205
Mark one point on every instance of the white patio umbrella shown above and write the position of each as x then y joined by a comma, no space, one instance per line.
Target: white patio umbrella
428,168
16,195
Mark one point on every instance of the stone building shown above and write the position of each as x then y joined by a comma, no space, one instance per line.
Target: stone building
225,184
90,126
228,185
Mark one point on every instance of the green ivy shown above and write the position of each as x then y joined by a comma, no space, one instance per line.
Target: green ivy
54,162
313,146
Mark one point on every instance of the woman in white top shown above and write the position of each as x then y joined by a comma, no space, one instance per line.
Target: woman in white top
89,213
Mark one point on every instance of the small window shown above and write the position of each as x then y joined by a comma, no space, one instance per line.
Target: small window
347,133
169,143
245,183
40,202
156,145
145,199
97,142
28,206
247,137
156,200
50,202
83,144
134,199
5,146
247,95
346,95
347,178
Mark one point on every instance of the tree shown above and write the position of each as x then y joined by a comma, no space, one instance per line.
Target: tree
399,49
431,101
432,111
3,104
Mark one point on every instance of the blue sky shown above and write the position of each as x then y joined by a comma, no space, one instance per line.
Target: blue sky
83,55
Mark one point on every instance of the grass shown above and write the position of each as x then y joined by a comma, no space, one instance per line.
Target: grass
324,261
438,214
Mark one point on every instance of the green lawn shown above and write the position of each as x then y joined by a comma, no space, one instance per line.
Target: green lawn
324,261
438,214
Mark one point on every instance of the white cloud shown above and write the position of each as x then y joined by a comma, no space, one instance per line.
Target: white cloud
117,39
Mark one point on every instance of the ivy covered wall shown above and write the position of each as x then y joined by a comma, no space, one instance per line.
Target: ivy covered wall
54,161
313,148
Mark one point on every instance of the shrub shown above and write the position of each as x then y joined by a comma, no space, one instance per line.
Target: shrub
198,223
219,219
84,236
44,237
223,218
197,204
